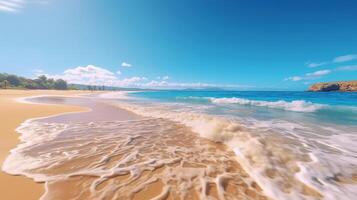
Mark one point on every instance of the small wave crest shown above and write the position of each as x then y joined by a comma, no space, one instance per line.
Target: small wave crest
274,153
116,95
125,160
296,105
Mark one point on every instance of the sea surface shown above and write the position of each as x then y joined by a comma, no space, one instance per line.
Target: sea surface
193,145
110,153
295,145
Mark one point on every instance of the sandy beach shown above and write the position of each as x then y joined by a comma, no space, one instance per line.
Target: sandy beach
12,114
111,153
71,145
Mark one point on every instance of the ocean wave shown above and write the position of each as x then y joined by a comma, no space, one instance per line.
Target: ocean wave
274,153
296,105
116,95
249,150
123,166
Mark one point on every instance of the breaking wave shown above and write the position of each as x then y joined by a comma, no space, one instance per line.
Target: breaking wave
287,160
297,105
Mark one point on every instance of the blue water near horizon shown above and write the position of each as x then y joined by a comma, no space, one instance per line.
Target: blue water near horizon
331,98
330,107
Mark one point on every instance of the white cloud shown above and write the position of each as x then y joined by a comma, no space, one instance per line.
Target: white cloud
11,5
347,68
318,73
196,85
118,72
312,64
338,59
294,78
156,84
345,58
16,5
38,71
124,64
135,81
87,75
163,78
309,76
93,75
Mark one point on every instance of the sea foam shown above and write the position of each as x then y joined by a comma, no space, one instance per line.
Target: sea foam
122,159
296,105
275,153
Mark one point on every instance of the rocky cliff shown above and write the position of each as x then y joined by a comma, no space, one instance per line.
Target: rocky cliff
343,86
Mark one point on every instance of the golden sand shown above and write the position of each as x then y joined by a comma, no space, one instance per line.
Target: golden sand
12,114
185,165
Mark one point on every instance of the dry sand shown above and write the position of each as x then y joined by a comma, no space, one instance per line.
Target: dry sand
12,114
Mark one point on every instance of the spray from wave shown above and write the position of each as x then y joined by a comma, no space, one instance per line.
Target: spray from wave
281,161
297,105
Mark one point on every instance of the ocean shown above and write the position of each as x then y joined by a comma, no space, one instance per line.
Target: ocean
194,145
284,140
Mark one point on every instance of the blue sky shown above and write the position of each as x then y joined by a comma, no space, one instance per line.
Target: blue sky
248,45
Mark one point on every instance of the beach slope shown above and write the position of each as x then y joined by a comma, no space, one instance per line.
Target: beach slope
12,114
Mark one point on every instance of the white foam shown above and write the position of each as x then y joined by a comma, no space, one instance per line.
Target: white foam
264,145
257,148
54,152
116,95
297,105
31,134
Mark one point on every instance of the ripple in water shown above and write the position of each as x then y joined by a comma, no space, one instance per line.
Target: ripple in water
142,159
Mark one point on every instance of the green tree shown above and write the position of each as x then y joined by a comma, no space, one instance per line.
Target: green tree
30,84
42,82
5,84
60,84
50,83
2,77
13,80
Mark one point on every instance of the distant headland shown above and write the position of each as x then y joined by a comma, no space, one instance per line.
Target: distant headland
341,86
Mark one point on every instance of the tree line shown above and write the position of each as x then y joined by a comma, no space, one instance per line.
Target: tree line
42,82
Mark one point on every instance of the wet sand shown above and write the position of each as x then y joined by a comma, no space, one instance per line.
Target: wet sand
99,111
112,153
12,114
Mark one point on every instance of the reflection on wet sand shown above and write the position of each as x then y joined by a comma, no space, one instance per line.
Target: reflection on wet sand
139,158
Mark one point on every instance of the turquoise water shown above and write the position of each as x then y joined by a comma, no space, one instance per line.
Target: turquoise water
301,137
330,98
336,107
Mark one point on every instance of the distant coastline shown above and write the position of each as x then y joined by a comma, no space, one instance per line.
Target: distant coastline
11,81
340,86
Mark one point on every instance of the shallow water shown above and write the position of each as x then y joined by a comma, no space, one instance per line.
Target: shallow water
146,158
194,145
295,145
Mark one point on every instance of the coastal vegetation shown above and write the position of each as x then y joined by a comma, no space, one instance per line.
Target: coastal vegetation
41,82
11,81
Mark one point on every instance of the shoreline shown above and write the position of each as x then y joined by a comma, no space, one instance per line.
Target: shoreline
135,150
159,167
14,112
